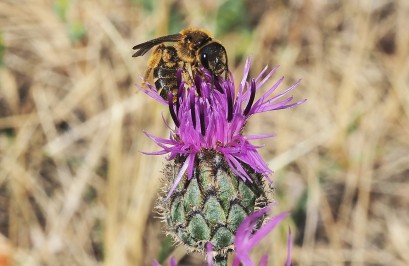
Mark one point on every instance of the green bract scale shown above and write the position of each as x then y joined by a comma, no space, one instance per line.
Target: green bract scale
212,204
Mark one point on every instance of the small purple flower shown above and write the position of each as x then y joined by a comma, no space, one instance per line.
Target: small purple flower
245,240
210,116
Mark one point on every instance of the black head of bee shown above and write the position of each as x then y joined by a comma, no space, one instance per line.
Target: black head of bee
213,57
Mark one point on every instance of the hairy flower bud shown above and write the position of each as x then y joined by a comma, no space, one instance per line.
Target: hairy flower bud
211,205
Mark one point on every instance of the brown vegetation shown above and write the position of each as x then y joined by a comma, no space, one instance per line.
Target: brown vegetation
75,190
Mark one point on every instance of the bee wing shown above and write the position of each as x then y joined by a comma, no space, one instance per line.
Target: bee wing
142,48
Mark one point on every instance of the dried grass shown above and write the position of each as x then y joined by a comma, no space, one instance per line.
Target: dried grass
75,190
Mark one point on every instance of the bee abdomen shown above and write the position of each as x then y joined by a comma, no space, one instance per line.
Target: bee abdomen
166,80
162,72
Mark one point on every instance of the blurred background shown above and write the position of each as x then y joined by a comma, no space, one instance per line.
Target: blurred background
75,189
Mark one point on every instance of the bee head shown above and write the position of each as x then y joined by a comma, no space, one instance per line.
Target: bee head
213,57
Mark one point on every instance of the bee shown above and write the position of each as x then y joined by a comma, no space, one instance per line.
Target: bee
194,48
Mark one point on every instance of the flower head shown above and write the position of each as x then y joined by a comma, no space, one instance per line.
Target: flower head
209,115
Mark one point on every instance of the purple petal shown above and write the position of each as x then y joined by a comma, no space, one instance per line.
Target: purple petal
158,140
155,263
191,164
264,261
264,136
166,122
162,152
155,96
209,255
261,100
270,105
267,77
286,91
244,230
245,240
262,73
240,169
246,71
265,229
178,178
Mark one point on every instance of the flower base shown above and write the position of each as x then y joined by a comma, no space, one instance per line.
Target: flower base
211,205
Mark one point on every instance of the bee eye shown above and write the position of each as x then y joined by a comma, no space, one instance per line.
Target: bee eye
204,60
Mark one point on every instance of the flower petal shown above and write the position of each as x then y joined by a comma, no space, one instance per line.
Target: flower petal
178,178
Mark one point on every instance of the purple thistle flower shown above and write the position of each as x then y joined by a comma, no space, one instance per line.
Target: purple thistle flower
209,116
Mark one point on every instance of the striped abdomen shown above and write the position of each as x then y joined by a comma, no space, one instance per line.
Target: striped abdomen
165,73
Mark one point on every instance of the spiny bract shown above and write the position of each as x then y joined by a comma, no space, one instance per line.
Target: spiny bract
211,205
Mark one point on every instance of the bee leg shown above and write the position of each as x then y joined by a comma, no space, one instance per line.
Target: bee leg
191,73
148,72
175,92
226,74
